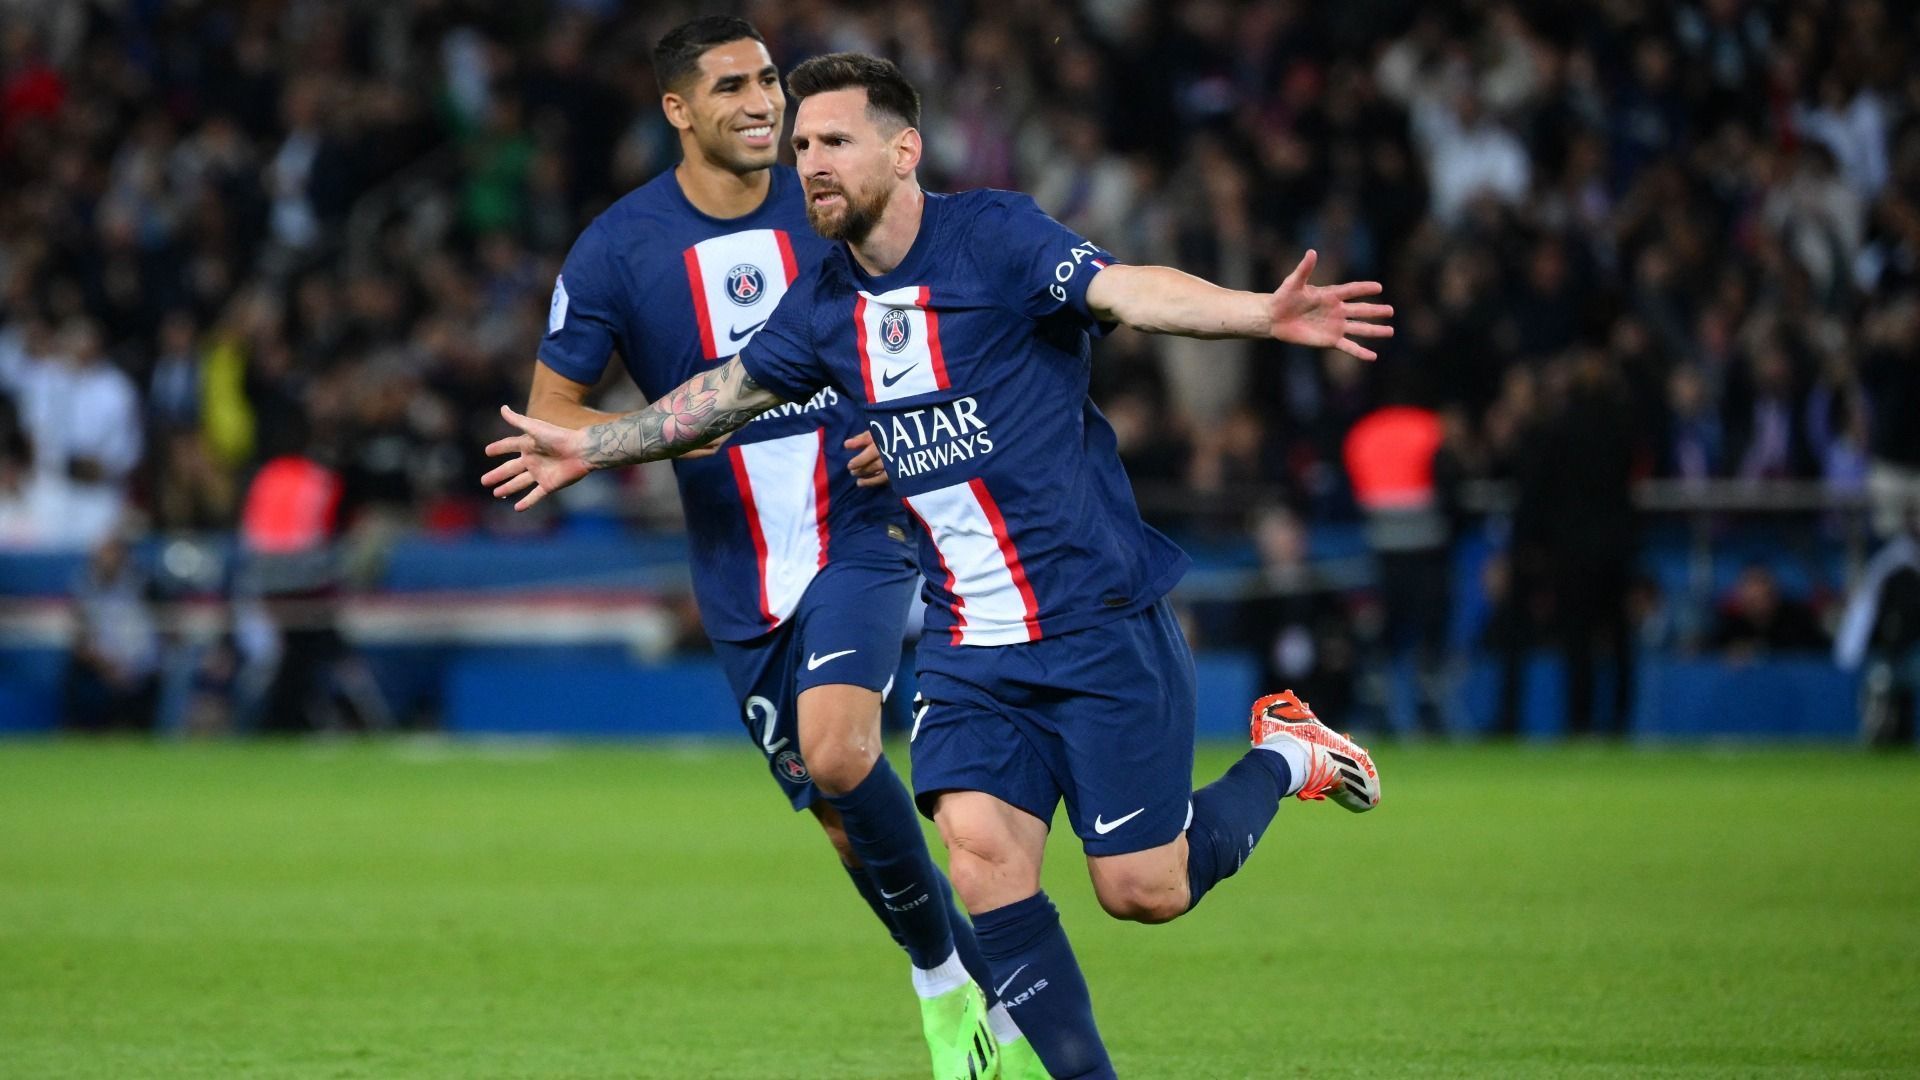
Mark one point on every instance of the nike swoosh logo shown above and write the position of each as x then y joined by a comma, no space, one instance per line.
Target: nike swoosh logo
888,378
1105,827
813,662
1002,988
741,335
885,895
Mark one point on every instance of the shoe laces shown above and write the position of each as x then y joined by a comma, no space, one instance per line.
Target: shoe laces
1322,776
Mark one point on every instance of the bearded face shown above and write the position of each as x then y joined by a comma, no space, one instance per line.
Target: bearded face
842,213
850,161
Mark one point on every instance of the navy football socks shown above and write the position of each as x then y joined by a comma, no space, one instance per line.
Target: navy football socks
871,894
1039,981
1229,816
884,832
963,939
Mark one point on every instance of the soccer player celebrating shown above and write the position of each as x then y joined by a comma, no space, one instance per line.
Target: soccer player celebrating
1052,667
804,579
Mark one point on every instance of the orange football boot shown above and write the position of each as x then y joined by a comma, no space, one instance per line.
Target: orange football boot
1337,767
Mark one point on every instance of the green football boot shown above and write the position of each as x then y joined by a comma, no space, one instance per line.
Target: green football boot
1019,1062
963,1047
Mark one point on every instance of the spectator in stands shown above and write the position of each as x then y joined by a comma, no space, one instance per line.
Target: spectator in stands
1694,447
15,462
1881,632
1892,372
1768,442
113,681
227,688
1404,478
1819,219
1091,189
499,156
1756,619
1295,621
289,522
1575,539
1836,426
1469,154
81,415
1655,618
308,176
189,488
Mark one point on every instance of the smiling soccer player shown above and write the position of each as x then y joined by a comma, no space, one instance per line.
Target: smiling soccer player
804,579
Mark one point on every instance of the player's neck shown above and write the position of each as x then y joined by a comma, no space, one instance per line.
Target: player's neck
886,247
722,193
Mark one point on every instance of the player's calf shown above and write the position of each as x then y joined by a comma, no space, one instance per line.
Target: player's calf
836,832
1038,981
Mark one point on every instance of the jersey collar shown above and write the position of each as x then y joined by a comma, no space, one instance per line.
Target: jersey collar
910,270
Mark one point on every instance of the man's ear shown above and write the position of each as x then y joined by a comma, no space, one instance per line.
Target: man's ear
906,152
679,114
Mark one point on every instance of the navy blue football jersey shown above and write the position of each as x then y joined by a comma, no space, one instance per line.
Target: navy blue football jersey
971,362
677,292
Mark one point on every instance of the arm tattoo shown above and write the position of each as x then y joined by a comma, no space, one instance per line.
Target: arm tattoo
694,413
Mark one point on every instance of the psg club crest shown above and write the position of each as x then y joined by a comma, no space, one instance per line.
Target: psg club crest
792,767
895,329
745,284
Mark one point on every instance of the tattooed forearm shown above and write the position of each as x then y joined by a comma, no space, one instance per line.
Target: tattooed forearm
696,412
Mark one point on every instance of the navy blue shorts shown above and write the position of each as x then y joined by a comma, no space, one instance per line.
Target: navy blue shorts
847,630
1101,717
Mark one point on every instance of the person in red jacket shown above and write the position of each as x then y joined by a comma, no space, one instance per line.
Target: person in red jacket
1401,478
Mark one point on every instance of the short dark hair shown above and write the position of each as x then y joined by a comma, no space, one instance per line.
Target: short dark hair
678,54
888,91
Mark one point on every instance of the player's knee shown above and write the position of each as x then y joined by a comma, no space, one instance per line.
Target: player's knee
994,850
838,766
971,866
1138,901
839,735
984,872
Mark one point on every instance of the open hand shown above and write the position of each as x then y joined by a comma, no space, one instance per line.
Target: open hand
547,459
1324,315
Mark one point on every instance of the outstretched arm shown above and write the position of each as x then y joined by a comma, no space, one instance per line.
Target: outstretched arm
1162,300
549,457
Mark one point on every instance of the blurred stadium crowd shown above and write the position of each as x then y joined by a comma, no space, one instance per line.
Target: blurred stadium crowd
1626,240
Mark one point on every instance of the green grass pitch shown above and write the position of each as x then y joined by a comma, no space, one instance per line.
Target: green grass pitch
428,909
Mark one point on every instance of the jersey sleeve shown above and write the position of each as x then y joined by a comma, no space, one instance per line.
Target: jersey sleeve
781,356
583,320
1041,267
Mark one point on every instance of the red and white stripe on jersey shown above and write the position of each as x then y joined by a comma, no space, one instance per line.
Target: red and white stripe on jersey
783,488
728,320
900,354
993,601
